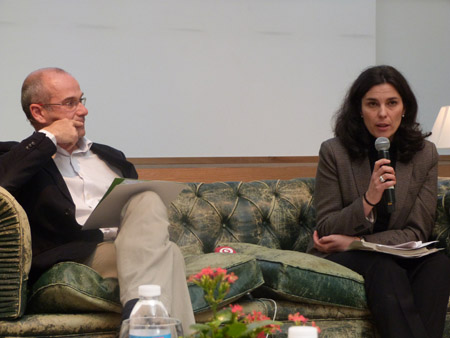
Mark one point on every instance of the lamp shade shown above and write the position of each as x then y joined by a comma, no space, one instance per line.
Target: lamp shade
441,129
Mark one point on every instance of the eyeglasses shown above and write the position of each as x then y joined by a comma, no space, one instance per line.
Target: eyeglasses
69,105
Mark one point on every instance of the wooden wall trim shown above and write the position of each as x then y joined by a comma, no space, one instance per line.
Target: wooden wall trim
212,169
195,161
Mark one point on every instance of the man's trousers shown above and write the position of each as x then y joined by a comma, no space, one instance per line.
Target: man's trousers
143,254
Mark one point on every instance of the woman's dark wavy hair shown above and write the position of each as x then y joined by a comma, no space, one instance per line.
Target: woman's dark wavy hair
349,126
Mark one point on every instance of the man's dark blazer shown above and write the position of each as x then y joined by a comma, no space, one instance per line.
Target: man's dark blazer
29,173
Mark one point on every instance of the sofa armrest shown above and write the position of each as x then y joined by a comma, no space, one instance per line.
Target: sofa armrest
441,231
15,256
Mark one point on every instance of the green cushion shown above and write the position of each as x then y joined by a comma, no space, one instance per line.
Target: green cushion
302,277
245,267
15,256
71,287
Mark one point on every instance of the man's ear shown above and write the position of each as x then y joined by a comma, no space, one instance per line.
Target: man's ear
38,113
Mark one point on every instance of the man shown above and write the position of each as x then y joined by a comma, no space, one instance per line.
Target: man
59,176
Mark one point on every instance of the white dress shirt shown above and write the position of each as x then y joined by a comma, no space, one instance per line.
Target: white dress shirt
86,175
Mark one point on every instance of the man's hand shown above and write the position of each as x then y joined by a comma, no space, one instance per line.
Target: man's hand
67,132
332,243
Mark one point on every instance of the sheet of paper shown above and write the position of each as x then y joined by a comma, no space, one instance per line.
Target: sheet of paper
417,250
408,245
107,212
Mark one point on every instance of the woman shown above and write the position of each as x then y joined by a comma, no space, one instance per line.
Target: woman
407,297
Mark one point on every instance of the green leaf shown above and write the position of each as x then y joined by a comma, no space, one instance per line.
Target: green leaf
225,314
257,325
236,329
200,327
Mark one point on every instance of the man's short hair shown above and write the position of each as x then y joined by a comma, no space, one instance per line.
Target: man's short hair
34,90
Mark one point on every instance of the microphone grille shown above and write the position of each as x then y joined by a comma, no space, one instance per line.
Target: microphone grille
382,143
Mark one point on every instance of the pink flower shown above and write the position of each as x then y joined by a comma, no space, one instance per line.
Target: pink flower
215,283
256,317
206,272
231,278
220,271
212,273
274,328
297,318
236,308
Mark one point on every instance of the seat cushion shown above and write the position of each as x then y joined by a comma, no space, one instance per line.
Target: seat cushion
245,267
71,287
302,277
15,256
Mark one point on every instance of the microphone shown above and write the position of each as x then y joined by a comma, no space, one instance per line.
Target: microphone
382,145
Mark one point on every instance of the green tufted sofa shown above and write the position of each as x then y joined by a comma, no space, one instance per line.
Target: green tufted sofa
268,224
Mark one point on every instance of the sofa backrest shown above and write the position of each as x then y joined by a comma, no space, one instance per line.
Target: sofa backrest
272,213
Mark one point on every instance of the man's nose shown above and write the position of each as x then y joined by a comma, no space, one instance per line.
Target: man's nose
81,110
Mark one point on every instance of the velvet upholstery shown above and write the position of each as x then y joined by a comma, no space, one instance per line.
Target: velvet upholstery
302,278
244,266
72,287
276,214
15,256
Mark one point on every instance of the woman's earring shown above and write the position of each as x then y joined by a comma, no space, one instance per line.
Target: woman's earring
403,115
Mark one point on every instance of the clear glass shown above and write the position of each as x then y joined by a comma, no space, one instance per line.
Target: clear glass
151,327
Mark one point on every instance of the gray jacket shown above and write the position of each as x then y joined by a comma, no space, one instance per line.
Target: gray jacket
341,183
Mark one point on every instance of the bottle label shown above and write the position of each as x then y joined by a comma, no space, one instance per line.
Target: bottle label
147,334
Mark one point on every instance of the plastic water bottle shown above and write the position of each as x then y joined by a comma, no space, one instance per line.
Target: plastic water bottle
148,307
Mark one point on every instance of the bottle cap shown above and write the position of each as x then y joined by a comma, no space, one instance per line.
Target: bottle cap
149,290
302,332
